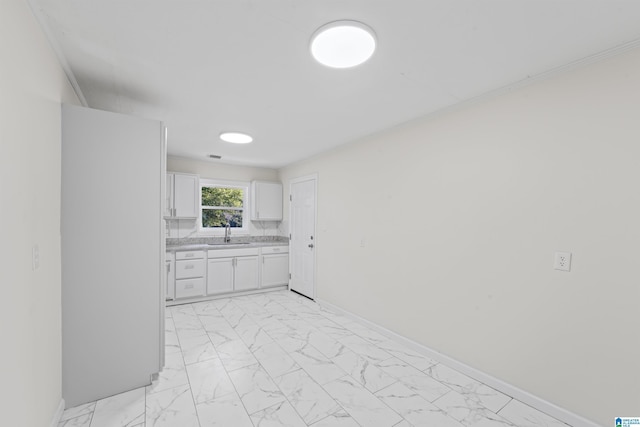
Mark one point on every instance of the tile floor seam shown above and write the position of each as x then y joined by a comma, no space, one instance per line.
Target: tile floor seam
235,388
320,386
387,405
187,375
284,394
503,406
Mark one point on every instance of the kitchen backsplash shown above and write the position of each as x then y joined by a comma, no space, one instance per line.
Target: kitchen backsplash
188,228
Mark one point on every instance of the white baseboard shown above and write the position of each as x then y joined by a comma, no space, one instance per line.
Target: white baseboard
523,396
181,301
58,414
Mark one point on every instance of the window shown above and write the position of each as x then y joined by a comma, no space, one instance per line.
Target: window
222,203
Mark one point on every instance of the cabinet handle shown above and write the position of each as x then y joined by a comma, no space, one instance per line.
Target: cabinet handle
258,214
189,255
189,267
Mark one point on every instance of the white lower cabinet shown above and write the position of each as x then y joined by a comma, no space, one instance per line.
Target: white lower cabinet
193,274
275,266
219,275
190,272
246,273
232,270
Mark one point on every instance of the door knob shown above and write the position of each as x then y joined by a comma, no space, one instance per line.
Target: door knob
311,245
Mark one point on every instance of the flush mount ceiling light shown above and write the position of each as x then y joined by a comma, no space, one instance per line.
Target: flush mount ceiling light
343,44
236,137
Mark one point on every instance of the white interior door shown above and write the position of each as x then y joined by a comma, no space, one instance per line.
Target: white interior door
303,232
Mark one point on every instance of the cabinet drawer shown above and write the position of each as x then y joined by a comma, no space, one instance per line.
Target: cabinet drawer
186,269
275,250
190,288
230,253
190,255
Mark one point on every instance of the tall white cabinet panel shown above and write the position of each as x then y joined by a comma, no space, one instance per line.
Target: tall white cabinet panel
113,267
182,194
266,201
220,275
246,273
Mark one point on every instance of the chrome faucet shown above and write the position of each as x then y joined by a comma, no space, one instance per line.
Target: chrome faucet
227,233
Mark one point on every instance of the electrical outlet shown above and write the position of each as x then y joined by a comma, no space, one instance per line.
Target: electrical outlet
35,257
562,261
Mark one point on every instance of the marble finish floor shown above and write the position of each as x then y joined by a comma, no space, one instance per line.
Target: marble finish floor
278,359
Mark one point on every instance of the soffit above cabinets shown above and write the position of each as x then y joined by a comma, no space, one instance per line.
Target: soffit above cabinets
206,67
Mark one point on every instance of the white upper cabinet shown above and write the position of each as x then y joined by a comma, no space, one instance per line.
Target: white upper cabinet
266,201
183,195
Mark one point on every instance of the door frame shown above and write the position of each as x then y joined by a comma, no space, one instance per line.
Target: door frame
311,177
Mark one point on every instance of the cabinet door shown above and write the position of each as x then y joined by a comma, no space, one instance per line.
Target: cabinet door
246,273
275,270
220,275
267,199
185,196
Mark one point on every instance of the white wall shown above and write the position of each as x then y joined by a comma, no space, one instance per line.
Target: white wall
32,85
461,215
215,170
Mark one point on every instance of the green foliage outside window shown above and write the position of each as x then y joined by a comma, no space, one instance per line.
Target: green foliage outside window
221,206
222,197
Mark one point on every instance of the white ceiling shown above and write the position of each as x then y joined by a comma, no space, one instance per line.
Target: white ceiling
207,66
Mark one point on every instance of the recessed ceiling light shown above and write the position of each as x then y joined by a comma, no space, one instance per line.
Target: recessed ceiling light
343,44
236,137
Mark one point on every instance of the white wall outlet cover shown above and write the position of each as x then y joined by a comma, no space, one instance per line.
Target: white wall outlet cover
562,261
35,258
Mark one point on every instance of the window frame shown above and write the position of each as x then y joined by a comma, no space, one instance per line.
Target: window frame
219,183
